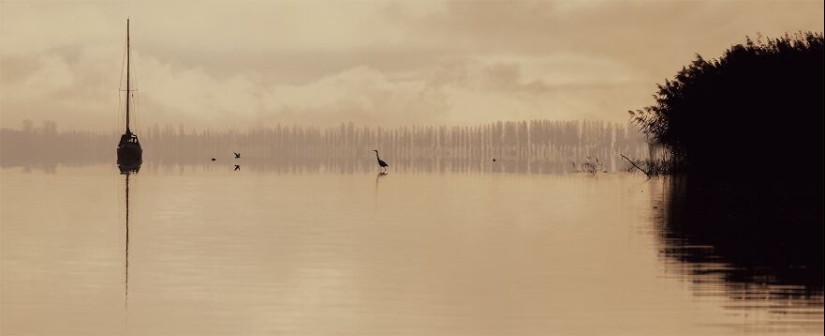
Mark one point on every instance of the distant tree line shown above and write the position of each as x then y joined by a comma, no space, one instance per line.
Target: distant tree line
46,147
517,146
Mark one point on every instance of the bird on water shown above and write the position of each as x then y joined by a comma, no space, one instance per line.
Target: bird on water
381,163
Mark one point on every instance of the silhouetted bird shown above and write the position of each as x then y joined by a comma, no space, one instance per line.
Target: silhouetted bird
213,159
381,163
494,160
237,167
237,155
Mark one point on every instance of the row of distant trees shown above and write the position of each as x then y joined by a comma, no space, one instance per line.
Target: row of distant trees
555,143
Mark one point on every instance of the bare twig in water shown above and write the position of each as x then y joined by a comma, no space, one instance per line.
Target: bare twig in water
634,165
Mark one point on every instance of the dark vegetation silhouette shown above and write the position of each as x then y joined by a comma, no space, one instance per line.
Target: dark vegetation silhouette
743,136
756,110
752,117
537,146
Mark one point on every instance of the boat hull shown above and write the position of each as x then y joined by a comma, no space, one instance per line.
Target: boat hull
129,154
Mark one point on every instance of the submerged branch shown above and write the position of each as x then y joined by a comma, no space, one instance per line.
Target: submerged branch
634,165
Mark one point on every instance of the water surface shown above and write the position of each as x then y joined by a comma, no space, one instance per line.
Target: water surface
211,251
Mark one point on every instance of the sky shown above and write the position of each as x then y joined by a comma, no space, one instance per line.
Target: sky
250,63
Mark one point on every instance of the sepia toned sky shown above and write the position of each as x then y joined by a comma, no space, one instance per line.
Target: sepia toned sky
217,64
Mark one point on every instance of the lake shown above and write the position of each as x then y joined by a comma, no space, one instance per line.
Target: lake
205,250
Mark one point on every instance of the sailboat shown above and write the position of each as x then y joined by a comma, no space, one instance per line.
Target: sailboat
129,152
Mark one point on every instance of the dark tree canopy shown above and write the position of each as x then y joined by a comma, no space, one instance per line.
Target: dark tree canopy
758,109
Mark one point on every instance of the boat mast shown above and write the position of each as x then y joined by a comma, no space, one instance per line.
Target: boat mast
128,89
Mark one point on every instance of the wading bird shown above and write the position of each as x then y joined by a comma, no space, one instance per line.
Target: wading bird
381,163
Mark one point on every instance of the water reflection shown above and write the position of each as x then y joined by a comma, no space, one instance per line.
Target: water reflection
363,162
378,177
400,165
758,245
223,252
127,171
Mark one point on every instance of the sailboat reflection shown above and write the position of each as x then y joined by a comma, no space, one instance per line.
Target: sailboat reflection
127,171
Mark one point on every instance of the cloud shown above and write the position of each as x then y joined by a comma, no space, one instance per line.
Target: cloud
465,90
241,64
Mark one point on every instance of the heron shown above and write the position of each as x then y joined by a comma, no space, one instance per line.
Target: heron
381,163
237,155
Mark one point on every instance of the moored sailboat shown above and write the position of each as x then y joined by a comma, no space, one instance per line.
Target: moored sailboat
129,151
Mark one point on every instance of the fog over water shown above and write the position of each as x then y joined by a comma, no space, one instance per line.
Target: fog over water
537,146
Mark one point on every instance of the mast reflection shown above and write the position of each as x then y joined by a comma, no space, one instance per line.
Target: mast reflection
127,171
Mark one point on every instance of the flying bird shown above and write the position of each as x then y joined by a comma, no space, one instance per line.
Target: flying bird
237,155
237,167
381,163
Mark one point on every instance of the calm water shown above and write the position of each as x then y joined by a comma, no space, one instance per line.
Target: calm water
222,252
